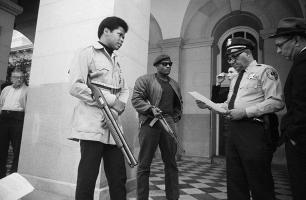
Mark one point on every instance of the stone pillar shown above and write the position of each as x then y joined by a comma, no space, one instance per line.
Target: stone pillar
8,11
47,159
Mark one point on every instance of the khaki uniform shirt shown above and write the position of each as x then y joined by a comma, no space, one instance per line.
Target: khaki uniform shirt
259,92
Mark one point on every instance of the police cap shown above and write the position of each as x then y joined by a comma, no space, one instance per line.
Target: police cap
238,44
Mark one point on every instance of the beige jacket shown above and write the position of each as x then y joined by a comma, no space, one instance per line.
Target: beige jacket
106,71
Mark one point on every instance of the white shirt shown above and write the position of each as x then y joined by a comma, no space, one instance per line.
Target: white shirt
11,101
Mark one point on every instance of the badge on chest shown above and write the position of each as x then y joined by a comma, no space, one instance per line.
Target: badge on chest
252,76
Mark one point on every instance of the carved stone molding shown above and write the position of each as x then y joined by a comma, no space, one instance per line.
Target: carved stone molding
10,7
194,43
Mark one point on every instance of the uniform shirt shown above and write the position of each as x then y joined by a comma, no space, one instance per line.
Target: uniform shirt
105,72
259,92
13,99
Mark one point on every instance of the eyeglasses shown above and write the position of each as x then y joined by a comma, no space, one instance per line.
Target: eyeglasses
166,63
279,45
17,77
233,58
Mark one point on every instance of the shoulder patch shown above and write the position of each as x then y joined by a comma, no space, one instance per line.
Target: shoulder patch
272,74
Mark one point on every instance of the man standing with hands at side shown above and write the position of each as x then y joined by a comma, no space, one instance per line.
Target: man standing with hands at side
255,92
99,62
12,107
290,41
154,95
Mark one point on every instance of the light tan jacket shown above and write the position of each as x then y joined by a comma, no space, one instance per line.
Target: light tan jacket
106,71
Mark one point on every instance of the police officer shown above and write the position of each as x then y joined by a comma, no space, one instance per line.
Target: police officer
256,91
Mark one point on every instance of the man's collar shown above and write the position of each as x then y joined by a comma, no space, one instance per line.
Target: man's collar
98,45
251,65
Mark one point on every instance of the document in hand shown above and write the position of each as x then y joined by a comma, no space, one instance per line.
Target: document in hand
14,186
208,102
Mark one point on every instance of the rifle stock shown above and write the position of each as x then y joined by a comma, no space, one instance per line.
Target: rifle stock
113,126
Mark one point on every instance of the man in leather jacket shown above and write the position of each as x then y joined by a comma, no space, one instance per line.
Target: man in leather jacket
154,95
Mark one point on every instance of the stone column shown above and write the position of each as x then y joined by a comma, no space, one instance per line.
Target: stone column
8,11
48,159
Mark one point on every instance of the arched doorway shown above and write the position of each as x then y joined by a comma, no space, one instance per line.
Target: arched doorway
222,66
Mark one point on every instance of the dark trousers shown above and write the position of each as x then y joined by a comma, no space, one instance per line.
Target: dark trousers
149,139
249,154
11,125
296,163
114,167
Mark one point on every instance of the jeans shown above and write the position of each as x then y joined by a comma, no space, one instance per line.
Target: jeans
150,138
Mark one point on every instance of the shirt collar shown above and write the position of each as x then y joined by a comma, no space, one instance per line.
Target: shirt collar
251,65
98,45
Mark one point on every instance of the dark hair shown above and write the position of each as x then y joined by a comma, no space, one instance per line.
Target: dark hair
112,23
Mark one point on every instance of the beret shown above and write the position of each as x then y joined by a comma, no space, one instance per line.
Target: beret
161,58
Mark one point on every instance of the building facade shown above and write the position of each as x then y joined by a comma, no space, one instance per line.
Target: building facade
192,32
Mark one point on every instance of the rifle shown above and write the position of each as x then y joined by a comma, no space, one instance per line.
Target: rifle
113,126
168,129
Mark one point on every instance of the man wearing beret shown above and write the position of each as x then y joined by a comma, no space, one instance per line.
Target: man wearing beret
154,95
290,41
254,95
99,63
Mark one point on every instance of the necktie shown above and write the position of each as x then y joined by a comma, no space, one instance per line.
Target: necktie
233,97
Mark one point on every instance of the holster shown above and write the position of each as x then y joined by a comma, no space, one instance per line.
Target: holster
271,129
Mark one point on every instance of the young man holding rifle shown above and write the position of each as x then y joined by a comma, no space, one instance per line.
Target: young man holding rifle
99,62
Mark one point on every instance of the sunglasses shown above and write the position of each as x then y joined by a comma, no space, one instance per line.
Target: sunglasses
166,63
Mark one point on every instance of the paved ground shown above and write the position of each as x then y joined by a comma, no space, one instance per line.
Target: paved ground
201,180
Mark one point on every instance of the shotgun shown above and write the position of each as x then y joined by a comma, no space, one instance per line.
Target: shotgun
111,123
168,129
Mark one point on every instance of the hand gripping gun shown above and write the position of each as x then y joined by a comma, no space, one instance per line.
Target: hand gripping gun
111,123
168,129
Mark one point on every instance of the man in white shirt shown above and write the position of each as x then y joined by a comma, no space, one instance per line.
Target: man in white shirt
12,107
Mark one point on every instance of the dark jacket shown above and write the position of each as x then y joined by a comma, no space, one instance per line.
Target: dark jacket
293,124
147,88
219,94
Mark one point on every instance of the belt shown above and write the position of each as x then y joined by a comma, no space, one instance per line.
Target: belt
112,90
255,119
11,112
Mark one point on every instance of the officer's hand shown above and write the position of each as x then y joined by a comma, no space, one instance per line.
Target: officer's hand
236,114
202,105
156,111
220,78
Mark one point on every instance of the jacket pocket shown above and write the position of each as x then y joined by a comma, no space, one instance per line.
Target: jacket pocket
87,119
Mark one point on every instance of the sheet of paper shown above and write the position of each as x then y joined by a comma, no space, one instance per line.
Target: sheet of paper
208,102
14,186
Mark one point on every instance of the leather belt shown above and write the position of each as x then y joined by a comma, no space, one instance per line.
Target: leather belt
112,90
11,112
